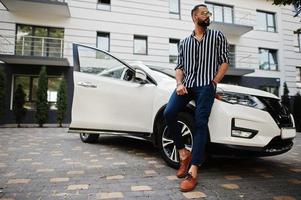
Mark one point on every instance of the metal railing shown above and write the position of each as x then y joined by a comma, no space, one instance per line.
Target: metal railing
241,17
243,60
6,44
39,46
232,59
32,46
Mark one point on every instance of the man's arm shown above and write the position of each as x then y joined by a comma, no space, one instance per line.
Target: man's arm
221,73
223,57
181,89
179,76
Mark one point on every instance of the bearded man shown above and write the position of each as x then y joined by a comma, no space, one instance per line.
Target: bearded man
202,62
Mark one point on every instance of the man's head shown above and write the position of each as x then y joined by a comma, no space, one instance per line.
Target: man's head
200,15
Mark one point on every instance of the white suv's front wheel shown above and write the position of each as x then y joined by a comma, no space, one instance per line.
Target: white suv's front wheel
167,145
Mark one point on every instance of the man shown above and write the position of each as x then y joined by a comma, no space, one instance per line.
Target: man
202,63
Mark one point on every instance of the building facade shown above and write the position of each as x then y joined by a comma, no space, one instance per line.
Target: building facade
265,41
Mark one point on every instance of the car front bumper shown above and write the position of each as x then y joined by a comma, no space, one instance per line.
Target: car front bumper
265,137
275,147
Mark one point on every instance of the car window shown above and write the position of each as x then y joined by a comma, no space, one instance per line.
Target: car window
93,61
113,73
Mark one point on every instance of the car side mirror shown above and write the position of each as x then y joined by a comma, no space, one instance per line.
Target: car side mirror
140,76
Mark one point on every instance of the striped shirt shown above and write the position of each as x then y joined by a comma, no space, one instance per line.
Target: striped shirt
200,60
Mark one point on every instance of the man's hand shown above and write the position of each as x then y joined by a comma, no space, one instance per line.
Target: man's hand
181,89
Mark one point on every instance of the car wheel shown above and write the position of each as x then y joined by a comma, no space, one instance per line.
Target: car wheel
167,145
89,138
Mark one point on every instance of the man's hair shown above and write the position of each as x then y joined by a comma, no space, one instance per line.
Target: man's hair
197,7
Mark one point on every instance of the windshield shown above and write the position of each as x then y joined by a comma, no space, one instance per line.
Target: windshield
161,74
170,72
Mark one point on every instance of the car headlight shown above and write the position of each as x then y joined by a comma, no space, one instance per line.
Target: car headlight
241,99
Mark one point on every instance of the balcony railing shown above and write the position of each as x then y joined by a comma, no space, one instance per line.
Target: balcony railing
243,17
39,46
232,59
32,46
241,23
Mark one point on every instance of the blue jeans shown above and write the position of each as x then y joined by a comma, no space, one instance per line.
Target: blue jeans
204,98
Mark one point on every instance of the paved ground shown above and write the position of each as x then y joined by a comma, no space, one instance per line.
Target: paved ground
49,163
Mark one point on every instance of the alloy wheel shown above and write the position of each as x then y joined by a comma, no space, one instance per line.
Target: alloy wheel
169,146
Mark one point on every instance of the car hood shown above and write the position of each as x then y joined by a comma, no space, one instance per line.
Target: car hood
169,83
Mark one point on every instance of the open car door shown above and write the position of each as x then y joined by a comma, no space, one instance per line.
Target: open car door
108,96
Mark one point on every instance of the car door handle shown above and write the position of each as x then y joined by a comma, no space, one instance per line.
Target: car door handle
86,84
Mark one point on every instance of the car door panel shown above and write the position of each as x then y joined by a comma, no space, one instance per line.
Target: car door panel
105,103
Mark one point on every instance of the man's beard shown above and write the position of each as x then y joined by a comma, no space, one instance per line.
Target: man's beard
203,24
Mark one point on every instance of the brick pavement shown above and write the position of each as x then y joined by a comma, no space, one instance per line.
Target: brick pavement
49,163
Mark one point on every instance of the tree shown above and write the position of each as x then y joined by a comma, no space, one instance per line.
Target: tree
297,111
18,104
42,102
295,3
2,92
286,98
61,102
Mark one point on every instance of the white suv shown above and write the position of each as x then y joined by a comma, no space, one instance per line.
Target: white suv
116,98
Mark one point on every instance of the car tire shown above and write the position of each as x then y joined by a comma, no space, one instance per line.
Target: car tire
89,138
166,144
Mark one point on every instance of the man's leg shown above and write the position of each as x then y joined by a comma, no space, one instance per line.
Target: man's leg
176,104
204,98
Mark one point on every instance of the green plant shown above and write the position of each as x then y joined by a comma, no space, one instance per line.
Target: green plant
285,99
42,102
61,102
295,3
18,105
297,111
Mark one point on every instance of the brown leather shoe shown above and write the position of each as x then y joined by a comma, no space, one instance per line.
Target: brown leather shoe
184,164
188,184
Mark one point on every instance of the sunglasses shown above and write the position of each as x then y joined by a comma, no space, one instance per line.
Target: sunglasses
206,14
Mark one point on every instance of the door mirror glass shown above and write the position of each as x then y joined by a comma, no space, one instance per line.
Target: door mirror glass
140,76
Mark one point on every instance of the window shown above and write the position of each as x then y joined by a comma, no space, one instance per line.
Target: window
266,21
140,44
173,50
174,6
270,89
298,77
221,13
30,87
39,41
232,55
104,5
268,59
103,41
